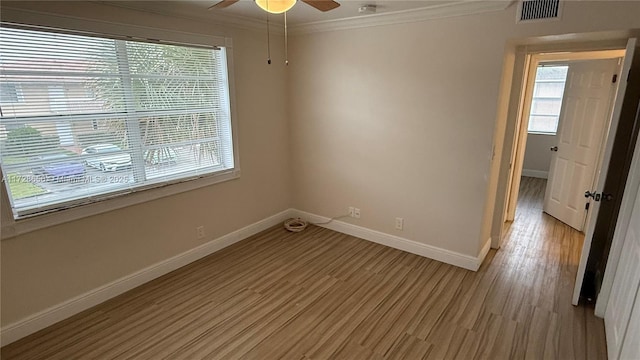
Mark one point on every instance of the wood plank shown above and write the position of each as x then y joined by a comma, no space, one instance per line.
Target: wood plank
319,294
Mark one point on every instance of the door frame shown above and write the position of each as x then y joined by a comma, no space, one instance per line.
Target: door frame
629,196
533,60
624,219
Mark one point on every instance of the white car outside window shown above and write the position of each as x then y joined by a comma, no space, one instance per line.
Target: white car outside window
108,157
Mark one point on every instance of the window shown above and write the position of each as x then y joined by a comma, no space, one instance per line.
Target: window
547,99
101,117
10,93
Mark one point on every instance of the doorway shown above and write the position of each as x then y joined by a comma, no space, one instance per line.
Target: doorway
561,129
609,179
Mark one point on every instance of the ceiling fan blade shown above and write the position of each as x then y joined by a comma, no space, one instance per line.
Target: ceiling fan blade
322,5
222,4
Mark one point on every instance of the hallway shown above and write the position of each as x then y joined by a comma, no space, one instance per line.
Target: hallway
548,253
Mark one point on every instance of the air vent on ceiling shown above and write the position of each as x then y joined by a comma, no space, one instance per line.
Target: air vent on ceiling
537,10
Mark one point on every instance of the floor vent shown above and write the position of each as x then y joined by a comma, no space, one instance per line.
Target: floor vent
537,10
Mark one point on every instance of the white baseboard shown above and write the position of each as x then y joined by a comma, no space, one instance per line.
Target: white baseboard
535,173
396,242
54,314
484,251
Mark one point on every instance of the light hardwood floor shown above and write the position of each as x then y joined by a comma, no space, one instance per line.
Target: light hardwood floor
320,294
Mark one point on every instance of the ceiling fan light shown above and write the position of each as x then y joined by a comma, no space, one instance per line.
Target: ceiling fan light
275,6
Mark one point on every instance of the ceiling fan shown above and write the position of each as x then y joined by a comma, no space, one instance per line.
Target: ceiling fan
281,6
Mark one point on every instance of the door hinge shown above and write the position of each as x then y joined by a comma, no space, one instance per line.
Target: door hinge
615,78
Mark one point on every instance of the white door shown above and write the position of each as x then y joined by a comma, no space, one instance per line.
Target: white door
630,53
584,115
624,292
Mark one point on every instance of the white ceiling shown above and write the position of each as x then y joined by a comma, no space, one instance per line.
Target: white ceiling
300,14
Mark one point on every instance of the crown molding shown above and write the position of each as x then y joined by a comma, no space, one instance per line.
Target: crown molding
212,18
460,8
439,11
16,12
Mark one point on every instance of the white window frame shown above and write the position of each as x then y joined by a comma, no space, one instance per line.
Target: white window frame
11,227
550,133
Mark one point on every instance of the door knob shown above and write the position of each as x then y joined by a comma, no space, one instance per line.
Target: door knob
555,148
597,197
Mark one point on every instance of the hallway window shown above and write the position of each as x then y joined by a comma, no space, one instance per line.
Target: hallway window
547,99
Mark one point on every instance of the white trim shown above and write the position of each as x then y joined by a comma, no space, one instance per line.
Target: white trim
620,233
66,309
396,242
11,227
535,173
209,17
249,23
484,251
108,28
542,133
226,20
400,17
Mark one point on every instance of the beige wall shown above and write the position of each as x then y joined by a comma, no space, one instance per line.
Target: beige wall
399,120
396,120
537,155
46,267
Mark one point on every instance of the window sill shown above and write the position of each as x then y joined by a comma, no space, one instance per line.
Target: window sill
541,133
12,228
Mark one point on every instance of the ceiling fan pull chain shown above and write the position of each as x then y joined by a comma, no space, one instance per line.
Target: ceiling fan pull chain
286,43
268,42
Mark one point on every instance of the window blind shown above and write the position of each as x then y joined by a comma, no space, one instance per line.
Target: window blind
84,118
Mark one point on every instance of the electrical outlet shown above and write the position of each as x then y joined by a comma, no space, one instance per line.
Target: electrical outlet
399,223
356,213
351,211
200,232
